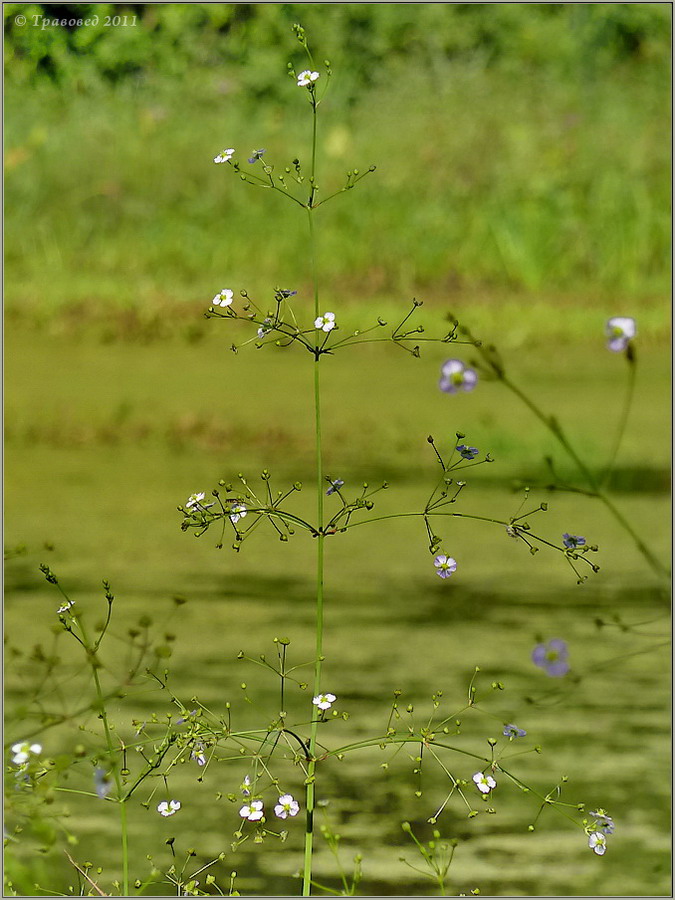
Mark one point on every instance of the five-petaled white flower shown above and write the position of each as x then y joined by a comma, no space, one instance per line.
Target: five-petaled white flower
224,156
252,811
324,701
597,842
446,565
287,806
22,752
484,782
326,322
237,512
620,330
223,298
307,78
168,808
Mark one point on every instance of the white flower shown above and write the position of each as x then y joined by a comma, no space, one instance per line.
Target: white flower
620,330
195,500
597,842
484,782
22,752
324,701
223,298
237,512
65,607
326,322
252,811
287,806
224,156
245,787
307,78
168,808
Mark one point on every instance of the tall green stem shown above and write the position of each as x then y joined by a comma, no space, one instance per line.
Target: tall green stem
91,652
311,768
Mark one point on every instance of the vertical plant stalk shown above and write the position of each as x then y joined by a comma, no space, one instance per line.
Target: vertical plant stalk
310,797
623,421
91,656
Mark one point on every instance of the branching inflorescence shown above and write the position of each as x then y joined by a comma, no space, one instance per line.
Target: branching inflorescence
277,764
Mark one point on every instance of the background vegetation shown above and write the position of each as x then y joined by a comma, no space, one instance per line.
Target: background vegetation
523,182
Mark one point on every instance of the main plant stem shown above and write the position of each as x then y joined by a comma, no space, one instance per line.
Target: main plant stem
310,796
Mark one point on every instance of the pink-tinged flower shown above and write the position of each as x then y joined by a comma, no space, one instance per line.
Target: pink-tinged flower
484,783
619,331
286,806
455,376
552,657
252,811
445,565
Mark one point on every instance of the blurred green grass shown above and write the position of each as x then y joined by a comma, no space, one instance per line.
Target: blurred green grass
499,181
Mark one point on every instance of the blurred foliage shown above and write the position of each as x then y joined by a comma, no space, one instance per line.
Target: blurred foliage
520,148
254,40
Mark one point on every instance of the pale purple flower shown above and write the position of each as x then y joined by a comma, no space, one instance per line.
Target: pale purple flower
224,156
467,452
286,806
603,822
246,786
620,330
484,783
597,842
307,78
512,731
572,541
446,565
552,657
256,155
252,811
198,754
324,701
102,783
455,376
335,485
169,808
